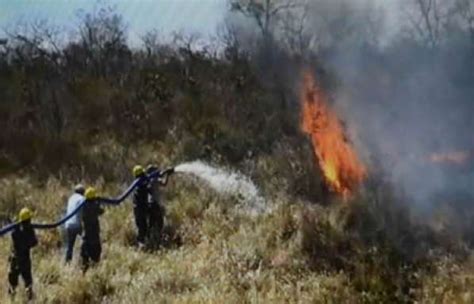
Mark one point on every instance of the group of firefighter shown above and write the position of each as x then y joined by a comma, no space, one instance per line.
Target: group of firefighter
149,220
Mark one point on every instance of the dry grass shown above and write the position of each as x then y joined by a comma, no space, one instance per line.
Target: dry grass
225,257
294,253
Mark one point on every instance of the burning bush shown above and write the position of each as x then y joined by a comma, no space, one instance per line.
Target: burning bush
339,162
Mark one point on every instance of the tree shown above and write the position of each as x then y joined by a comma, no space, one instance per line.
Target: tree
151,42
102,38
265,13
427,20
35,40
463,13
295,31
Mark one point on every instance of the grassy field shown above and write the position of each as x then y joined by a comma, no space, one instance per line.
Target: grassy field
92,109
359,251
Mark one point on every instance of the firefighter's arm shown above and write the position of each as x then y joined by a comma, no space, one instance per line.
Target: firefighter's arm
163,180
32,239
164,176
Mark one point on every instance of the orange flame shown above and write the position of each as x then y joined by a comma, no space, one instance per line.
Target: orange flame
456,157
342,169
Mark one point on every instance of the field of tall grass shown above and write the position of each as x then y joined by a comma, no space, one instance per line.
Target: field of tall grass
91,110
366,250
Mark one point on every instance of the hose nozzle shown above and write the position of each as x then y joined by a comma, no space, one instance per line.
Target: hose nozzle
168,171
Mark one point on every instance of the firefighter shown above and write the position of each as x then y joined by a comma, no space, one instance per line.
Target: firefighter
156,209
140,205
91,247
24,238
148,212
73,225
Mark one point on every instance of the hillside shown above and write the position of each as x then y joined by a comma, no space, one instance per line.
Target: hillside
297,252
349,148
216,252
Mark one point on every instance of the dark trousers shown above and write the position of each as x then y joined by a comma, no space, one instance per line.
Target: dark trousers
71,235
90,252
147,219
156,226
156,218
141,221
20,266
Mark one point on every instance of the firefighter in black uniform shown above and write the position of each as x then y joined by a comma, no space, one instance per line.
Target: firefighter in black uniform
24,238
146,208
91,248
140,205
156,208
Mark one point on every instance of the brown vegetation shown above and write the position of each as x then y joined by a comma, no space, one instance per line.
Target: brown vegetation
91,109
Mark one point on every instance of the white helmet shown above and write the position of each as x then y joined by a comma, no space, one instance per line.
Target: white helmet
79,188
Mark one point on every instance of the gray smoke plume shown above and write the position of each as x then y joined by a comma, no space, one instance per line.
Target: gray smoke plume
409,101
405,73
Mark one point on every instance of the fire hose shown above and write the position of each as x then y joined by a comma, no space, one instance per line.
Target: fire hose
151,177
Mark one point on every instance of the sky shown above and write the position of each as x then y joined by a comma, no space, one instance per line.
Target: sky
166,16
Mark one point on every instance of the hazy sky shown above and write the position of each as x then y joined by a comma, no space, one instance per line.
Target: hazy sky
140,15
167,16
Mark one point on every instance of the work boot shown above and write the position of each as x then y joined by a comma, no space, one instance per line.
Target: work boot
12,291
29,293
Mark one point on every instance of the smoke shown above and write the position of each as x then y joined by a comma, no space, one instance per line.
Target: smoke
405,100
404,86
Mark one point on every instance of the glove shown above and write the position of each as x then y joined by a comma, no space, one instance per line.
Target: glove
151,168
168,171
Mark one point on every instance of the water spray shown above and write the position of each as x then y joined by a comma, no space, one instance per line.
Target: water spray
227,183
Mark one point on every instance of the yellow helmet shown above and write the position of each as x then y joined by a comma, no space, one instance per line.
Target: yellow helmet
25,215
138,170
90,193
